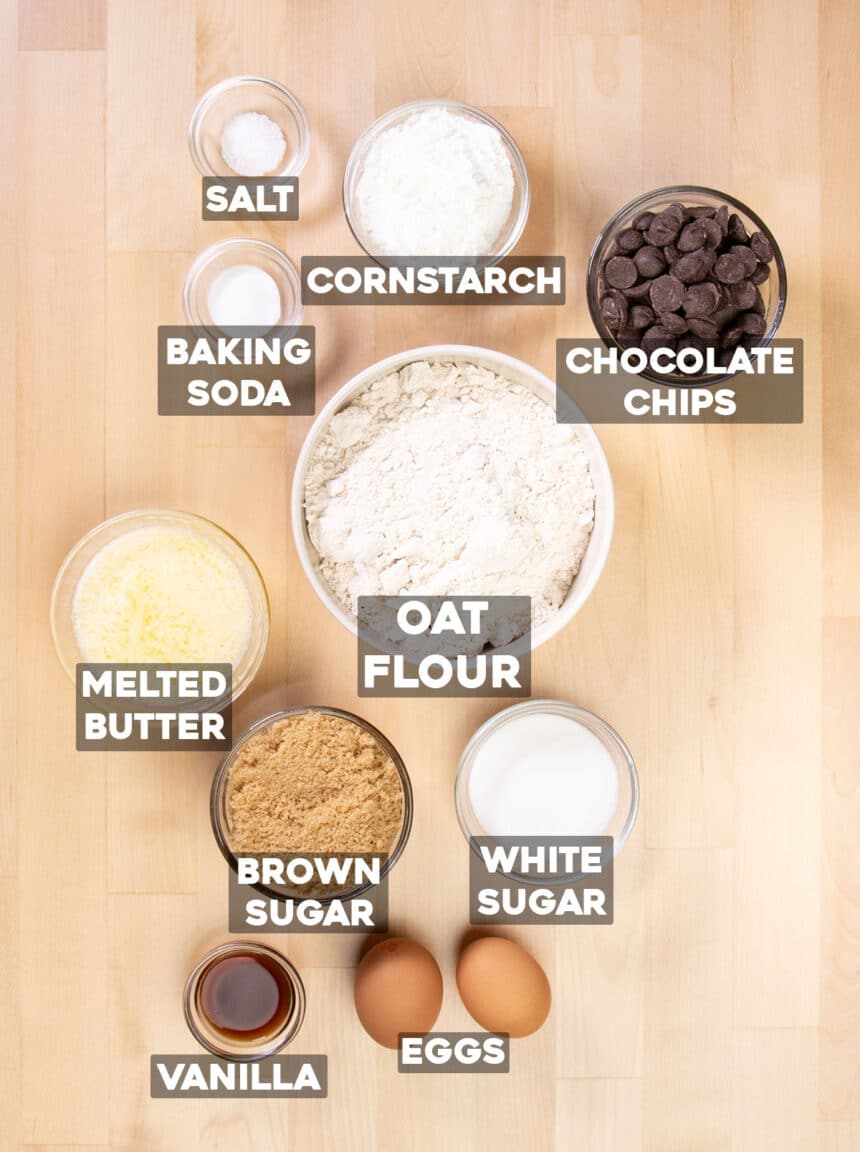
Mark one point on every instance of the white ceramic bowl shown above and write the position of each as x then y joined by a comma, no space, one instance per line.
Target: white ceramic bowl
510,369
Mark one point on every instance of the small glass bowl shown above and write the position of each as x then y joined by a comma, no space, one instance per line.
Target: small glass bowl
516,221
218,799
216,1042
774,290
74,565
241,94
227,254
628,781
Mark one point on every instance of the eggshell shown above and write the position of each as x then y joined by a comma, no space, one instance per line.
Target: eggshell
398,988
503,986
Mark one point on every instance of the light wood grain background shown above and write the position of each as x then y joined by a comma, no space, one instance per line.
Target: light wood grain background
722,1010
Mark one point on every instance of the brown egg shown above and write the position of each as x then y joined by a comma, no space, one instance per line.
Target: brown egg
398,988
503,986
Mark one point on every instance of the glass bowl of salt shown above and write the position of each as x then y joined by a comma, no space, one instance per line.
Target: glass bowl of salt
249,126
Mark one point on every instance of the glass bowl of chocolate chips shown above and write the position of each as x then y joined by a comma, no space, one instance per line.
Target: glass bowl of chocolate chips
686,267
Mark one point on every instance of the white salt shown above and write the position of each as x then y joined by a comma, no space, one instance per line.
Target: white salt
252,144
543,775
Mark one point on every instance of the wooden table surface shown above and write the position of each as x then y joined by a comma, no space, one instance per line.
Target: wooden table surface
722,1009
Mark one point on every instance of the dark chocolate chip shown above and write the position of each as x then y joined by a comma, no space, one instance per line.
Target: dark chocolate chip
701,299
629,240
746,255
627,337
639,291
758,304
671,253
713,232
700,212
723,316
731,336
760,274
743,294
657,337
703,328
650,261
620,272
641,317
761,247
667,294
692,267
642,221
753,324
680,211
673,323
613,308
692,236
721,217
729,268
737,230
663,228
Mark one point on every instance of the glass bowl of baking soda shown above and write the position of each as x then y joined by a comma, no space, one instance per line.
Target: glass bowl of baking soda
242,287
249,126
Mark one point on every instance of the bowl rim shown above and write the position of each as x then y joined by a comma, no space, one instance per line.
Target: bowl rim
471,354
222,772
294,165
236,243
382,122
174,514
590,720
640,203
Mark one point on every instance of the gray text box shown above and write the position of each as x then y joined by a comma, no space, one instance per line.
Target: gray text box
247,198
533,896
198,1077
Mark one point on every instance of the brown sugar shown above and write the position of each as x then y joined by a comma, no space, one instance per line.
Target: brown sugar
313,783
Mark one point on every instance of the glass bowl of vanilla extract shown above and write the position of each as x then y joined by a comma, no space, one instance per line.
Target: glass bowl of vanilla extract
244,1001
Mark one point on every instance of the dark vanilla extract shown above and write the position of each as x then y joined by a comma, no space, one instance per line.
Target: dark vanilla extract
245,997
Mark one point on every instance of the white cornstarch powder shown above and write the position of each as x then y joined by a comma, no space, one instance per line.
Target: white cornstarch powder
446,479
252,144
437,184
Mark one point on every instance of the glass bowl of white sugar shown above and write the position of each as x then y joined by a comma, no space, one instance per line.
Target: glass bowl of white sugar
545,769
249,126
242,287
436,179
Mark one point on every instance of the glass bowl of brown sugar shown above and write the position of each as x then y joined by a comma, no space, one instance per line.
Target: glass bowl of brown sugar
312,781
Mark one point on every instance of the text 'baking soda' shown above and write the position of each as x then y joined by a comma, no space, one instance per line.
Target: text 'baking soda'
249,370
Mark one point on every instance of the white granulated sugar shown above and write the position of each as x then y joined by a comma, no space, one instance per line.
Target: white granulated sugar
437,184
252,144
445,479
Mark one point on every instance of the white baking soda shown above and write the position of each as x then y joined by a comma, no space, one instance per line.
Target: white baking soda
543,775
244,296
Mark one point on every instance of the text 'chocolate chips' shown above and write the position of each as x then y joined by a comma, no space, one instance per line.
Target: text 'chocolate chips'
686,277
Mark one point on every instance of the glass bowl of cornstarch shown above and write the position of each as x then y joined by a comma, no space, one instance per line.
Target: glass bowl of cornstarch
436,180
